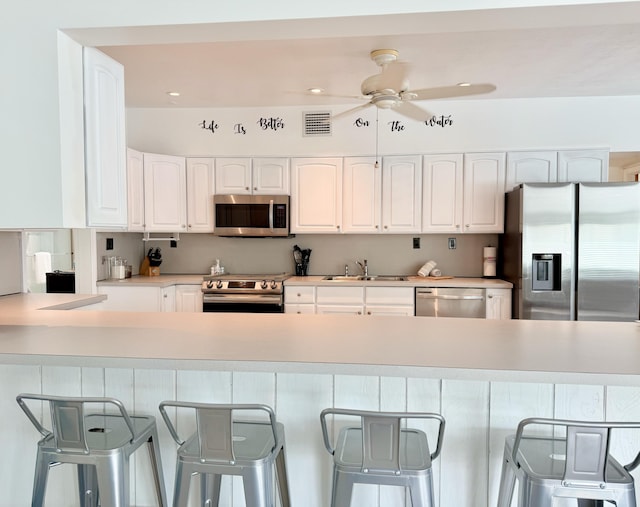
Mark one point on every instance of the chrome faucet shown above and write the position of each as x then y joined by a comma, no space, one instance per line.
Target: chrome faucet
364,267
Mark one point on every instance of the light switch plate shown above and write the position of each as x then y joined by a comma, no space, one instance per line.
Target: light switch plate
452,243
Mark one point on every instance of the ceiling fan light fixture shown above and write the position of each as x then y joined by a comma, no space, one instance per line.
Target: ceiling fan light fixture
384,56
464,84
316,91
173,94
385,101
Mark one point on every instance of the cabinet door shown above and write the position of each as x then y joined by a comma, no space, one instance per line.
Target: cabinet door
362,195
316,195
165,193
442,193
135,190
583,166
531,167
168,299
498,304
200,190
188,298
105,148
233,175
131,299
299,309
340,309
401,194
271,176
398,311
484,179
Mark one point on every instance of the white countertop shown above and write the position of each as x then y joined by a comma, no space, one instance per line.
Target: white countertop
154,281
579,352
412,281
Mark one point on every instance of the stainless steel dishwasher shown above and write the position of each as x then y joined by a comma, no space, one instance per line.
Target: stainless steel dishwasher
450,302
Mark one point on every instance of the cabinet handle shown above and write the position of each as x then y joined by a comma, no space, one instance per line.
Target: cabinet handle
246,188
255,188
164,295
359,313
190,226
386,226
377,226
368,313
490,297
457,226
467,225
299,294
337,227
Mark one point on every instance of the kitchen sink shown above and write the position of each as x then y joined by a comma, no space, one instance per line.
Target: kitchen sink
361,278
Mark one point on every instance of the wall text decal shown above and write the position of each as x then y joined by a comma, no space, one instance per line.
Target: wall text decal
439,121
270,123
238,128
361,123
212,126
396,126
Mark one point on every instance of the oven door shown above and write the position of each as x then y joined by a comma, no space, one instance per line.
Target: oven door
243,303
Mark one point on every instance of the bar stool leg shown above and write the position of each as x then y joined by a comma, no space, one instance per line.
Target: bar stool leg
87,485
258,486
156,467
283,481
507,482
210,489
181,486
113,481
421,493
342,490
40,480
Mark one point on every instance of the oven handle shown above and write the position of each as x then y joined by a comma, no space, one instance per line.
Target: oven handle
271,214
242,298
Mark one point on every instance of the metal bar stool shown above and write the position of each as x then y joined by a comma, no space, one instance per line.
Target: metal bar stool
99,444
380,451
222,445
577,465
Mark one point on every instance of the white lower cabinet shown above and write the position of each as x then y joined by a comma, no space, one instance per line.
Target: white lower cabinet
389,301
348,300
138,299
498,304
300,299
188,298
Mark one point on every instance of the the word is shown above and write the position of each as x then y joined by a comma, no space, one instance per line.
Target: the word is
238,128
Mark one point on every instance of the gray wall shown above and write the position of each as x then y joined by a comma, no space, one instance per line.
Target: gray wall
10,262
388,254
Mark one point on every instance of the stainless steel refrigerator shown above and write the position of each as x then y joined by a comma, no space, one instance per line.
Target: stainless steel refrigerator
572,251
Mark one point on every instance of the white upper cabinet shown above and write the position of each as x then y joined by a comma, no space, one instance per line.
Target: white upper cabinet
484,180
583,166
105,148
200,190
442,193
257,176
135,189
165,193
316,195
531,167
362,196
401,194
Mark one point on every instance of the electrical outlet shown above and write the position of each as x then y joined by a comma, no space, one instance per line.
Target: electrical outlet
452,243
173,243
109,243
416,242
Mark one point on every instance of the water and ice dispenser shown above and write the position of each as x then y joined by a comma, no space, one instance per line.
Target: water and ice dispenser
546,272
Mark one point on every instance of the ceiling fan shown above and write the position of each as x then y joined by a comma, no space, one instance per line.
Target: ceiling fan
389,89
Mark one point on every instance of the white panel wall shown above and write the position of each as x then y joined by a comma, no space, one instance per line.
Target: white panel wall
479,415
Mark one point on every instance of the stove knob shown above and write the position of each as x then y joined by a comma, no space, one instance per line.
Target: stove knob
219,284
263,284
210,284
273,284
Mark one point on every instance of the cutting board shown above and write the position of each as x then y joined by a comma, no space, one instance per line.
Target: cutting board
443,277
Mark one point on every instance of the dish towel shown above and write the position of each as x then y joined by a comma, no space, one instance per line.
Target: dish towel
427,268
41,266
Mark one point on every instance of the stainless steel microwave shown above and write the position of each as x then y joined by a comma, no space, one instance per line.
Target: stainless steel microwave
251,215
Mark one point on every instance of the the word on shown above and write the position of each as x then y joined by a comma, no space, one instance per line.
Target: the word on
361,123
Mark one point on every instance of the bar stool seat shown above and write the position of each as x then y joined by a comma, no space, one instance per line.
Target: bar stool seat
222,445
574,465
98,444
379,451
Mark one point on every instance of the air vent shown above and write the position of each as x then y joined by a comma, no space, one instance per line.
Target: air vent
317,123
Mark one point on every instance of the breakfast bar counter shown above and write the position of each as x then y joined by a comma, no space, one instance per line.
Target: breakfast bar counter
482,375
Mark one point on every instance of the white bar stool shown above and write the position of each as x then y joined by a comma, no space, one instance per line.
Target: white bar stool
576,465
380,451
222,445
99,444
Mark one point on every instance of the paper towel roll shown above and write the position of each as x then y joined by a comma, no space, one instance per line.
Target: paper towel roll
426,269
489,264
41,266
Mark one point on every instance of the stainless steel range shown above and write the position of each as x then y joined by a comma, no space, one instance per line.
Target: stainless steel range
244,293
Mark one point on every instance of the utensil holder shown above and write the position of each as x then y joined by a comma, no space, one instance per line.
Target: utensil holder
302,268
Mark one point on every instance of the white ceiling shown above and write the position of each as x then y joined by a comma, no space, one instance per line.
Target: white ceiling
545,52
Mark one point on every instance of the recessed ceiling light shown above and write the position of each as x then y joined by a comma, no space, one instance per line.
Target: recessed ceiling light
173,94
315,91
463,84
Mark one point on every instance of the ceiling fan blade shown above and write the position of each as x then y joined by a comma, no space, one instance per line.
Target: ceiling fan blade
412,111
443,92
349,112
392,77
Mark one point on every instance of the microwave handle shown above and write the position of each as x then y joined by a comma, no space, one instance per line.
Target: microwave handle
271,214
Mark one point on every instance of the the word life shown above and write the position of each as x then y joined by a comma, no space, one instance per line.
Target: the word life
439,121
270,123
212,126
